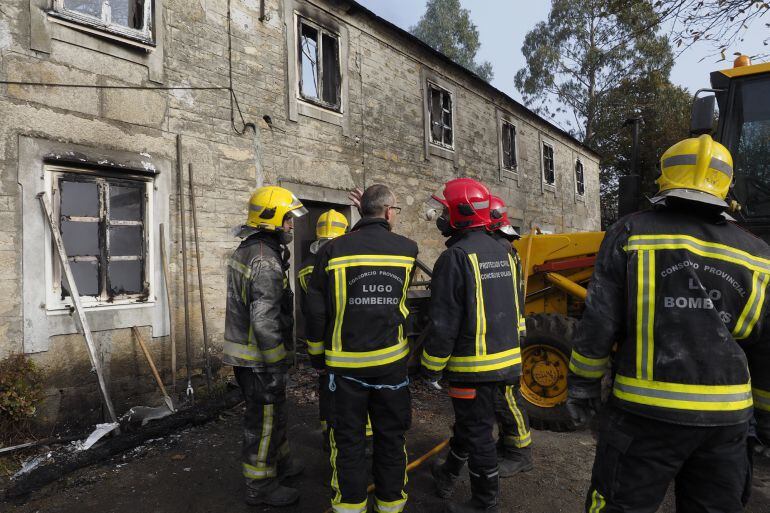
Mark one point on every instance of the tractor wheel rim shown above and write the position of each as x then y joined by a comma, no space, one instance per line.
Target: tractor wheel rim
544,375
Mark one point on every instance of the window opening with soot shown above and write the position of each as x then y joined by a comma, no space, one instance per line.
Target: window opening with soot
441,116
102,222
319,65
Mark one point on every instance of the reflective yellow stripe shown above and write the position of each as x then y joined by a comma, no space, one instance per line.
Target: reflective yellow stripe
699,247
267,432
370,261
761,399
753,309
587,367
340,300
645,313
489,362
481,321
683,396
240,268
433,363
404,292
255,472
333,460
369,431
396,506
252,353
353,359
524,439
514,279
597,502
315,348
304,276
344,507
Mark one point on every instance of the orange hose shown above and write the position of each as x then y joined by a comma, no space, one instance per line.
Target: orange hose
413,465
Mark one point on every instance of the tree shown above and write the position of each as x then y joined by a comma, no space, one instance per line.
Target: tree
584,51
664,110
447,27
720,22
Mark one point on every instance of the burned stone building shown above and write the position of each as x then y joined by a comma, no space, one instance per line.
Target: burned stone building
326,96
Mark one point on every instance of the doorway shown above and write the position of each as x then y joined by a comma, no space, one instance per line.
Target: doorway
304,236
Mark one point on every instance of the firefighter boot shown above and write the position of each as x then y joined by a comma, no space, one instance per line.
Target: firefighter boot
269,492
512,460
485,495
446,474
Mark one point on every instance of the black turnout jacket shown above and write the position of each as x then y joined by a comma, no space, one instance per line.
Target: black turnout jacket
474,311
683,293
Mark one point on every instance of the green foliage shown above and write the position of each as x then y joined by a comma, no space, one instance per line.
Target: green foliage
21,391
665,113
584,51
447,28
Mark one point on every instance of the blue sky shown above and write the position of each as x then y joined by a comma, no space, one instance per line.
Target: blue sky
503,24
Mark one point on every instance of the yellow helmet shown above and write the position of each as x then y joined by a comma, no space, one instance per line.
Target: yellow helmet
330,224
269,205
697,169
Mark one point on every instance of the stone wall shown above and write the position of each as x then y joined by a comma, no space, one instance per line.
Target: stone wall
380,139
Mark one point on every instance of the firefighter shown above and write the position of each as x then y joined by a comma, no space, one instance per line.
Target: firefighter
514,444
474,338
331,224
258,333
682,292
356,314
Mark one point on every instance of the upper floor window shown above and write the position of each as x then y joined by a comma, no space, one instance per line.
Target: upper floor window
580,184
129,18
103,223
319,65
549,173
441,116
508,133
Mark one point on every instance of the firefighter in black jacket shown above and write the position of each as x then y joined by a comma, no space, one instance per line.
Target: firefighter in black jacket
356,312
682,292
259,323
514,444
473,340
330,225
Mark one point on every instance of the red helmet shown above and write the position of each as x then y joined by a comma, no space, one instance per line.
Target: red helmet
467,202
498,217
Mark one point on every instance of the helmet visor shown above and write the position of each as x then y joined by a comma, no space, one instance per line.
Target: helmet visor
508,230
433,208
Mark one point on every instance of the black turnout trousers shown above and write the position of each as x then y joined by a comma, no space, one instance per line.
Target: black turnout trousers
637,458
264,423
474,424
391,415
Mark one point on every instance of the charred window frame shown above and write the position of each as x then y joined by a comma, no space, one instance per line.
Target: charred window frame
441,111
318,64
104,220
132,19
549,168
580,183
508,136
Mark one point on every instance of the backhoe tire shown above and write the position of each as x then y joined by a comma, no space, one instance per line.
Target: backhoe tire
545,363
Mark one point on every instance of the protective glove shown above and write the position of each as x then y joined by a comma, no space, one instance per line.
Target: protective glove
582,410
273,386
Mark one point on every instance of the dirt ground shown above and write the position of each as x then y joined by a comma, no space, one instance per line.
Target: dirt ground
197,470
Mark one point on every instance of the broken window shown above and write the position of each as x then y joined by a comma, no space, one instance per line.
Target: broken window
580,184
319,65
549,175
441,129
509,146
132,18
102,223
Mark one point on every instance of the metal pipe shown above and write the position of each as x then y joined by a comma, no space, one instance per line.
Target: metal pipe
180,180
171,326
567,285
207,359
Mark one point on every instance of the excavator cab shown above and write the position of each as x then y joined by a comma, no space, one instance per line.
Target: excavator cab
743,96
